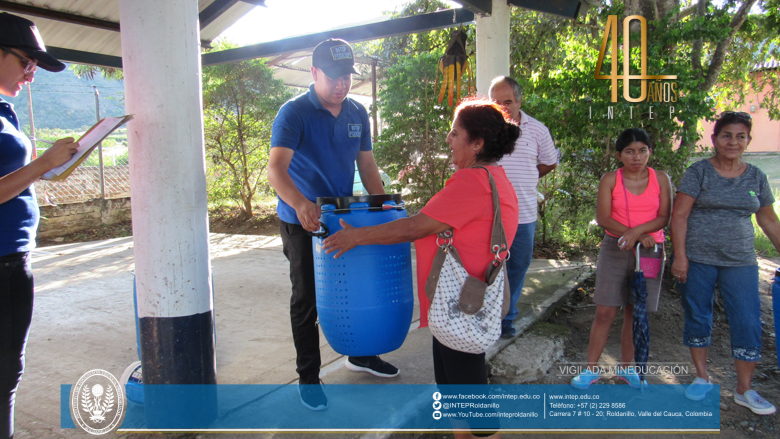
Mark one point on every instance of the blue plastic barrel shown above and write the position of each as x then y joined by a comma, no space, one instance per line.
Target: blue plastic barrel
365,298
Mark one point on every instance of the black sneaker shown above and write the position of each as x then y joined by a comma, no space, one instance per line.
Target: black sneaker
507,329
312,396
373,365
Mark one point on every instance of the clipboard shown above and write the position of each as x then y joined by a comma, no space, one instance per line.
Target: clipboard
87,143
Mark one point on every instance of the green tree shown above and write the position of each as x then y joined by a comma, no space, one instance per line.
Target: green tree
89,71
240,101
412,147
712,48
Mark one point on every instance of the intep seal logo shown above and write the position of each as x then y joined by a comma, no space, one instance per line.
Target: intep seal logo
97,402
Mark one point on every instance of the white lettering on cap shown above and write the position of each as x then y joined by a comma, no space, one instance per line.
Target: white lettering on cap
340,52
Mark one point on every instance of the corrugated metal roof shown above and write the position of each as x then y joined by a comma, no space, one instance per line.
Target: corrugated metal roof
295,70
90,39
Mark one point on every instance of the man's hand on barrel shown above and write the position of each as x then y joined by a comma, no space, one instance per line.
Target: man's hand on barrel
342,241
309,215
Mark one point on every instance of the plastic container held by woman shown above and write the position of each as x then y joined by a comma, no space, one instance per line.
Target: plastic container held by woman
776,309
365,297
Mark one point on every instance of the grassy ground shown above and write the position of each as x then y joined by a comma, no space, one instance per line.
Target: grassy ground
770,164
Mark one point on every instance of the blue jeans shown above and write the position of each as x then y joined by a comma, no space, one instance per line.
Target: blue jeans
520,253
16,306
739,288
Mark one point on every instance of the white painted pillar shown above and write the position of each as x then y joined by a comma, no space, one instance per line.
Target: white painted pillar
492,46
162,74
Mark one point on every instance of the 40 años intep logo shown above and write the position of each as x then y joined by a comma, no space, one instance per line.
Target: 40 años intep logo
659,92
97,402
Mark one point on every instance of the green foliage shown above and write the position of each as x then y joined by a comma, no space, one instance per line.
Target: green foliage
90,72
412,148
240,101
390,49
556,63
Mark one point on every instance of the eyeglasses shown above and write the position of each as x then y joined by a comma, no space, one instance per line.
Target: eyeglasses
738,114
30,66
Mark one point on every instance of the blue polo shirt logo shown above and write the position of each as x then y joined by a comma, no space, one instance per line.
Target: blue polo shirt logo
340,52
355,130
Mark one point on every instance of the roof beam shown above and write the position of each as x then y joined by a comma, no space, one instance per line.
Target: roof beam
219,7
80,57
214,10
383,29
564,8
277,59
478,6
59,16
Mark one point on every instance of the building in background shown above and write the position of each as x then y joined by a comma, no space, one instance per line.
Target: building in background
765,132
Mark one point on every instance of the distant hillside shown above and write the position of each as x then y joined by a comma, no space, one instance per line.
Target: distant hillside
63,100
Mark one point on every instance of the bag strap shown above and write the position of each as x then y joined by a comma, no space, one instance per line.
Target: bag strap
625,195
498,244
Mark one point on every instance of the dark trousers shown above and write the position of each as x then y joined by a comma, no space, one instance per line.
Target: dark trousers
303,303
456,367
16,306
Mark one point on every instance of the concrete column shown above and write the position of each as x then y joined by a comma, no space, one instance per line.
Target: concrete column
161,58
492,46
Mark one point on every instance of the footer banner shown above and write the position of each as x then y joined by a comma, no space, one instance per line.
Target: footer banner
401,407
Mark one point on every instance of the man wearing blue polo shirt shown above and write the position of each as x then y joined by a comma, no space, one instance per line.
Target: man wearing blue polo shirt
316,140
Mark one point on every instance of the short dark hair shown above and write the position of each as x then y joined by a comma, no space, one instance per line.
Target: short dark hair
486,120
731,117
509,81
630,136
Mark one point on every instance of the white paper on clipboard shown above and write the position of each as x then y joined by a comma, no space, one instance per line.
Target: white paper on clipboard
87,144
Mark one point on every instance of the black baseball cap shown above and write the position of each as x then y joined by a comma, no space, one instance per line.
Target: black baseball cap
21,33
334,57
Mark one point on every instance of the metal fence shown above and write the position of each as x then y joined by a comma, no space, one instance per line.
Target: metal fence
63,105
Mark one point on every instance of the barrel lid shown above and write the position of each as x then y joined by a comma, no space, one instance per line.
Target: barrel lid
372,200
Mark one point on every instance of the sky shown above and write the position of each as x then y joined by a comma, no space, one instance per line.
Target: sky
288,18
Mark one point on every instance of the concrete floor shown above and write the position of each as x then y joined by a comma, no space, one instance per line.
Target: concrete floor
84,320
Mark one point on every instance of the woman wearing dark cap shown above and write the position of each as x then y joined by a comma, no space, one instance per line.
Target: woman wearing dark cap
481,134
712,236
21,53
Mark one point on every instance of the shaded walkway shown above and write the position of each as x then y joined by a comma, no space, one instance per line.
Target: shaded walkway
84,320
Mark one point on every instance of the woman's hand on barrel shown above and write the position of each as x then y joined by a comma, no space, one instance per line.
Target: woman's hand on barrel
342,241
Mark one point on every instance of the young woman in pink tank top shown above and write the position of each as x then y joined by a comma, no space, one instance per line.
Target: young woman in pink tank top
634,205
